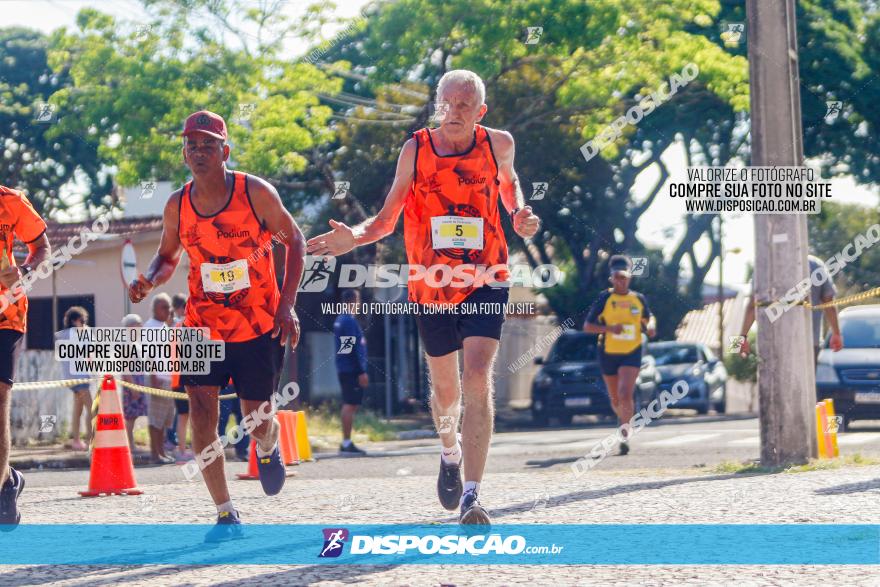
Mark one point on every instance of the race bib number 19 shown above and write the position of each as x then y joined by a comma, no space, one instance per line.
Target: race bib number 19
225,278
456,232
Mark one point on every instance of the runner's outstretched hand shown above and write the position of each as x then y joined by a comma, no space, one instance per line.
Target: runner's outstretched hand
337,242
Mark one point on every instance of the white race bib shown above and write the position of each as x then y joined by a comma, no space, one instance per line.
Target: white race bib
457,232
628,333
225,278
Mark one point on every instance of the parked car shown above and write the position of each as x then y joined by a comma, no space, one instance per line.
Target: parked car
851,376
570,383
698,367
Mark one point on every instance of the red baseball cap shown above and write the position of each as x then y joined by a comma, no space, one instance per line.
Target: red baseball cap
207,122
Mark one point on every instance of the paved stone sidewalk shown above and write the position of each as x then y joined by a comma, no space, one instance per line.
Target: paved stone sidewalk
849,495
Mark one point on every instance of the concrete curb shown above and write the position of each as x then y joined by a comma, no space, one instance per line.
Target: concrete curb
416,434
77,461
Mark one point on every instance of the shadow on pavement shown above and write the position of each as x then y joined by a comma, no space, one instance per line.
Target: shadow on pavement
545,463
859,487
310,575
564,499
96,574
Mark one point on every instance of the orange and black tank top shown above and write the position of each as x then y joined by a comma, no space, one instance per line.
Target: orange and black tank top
451,217
232,286
18,219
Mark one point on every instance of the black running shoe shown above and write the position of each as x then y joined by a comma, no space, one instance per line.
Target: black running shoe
228,528
9,514
272,472
352,450
624,448
449,485
472,512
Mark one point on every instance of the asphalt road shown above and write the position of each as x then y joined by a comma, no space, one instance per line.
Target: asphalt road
674,443
529,481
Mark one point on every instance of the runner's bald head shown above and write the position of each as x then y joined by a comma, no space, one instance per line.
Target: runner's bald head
465,78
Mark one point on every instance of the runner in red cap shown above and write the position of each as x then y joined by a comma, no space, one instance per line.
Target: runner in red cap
206,123
226,221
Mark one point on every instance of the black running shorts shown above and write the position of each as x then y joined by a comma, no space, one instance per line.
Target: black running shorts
352,392
253,365
181,404
480,314
11,345
609,364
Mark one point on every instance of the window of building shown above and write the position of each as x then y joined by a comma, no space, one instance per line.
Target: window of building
40,333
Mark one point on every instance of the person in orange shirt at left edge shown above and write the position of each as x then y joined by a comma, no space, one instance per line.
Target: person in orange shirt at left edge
18,219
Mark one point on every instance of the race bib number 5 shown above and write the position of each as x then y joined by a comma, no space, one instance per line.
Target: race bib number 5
456,232
225,278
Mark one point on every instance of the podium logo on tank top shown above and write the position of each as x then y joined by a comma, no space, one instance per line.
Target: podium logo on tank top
241,233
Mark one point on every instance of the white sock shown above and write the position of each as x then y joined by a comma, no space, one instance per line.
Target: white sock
225,507
346,443
451,456
271,436
471,486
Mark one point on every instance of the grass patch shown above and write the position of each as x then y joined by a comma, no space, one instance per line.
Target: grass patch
753,468
739,468
856,460
325,427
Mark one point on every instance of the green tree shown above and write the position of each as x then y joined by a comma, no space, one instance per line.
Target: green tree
591,64
836,227
38,157
134,85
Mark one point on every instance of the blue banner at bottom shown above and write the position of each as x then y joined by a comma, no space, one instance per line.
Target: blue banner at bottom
533,544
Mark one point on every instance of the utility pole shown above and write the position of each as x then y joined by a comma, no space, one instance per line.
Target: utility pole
786,373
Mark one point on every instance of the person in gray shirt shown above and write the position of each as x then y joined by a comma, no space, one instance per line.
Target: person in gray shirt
819,294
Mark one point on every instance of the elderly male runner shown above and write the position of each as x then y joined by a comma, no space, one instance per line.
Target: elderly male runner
18,219
447,183
225,220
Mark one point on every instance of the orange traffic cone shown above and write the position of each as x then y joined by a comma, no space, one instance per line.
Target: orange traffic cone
252,472
112,472
287,438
